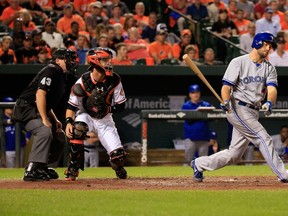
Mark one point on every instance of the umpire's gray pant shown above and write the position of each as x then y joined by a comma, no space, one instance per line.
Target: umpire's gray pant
46,145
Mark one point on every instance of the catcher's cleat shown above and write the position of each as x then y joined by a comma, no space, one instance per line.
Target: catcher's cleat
198,176
36,175
51,173
121,173
71,174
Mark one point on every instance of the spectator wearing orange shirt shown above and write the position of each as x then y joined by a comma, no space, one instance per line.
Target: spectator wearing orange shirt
11,13
64,23
160,49
179,48
28,24
116,15
137,47
7,55
241,23
141,19
278,16
284,24
121,57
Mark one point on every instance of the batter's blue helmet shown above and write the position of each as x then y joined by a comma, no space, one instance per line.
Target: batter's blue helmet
8,99
194,88
259,38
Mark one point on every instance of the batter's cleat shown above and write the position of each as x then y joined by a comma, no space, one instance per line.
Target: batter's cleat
36,175
198,176
121,173
71,174
51,173
284,180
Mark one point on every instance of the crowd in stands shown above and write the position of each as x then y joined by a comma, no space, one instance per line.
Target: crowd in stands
30,30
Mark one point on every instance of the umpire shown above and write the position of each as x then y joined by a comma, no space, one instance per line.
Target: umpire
34,108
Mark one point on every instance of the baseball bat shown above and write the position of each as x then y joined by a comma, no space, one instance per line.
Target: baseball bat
197,71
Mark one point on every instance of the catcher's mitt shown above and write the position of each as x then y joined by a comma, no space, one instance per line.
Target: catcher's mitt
95,104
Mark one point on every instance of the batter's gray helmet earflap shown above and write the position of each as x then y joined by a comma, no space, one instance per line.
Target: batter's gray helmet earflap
70,57
194,88
94,57
260,37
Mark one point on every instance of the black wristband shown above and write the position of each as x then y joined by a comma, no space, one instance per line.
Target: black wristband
69,120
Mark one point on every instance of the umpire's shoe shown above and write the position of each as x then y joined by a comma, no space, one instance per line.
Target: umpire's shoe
121,173
35,172
198,176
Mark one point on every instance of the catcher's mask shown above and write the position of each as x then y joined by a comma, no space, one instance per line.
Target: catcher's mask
70,57
100,59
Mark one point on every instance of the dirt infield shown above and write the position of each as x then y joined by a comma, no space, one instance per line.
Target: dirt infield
133,183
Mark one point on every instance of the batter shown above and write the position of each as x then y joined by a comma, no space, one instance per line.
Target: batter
246,83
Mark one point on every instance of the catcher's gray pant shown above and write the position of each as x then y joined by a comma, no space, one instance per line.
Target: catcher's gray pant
47,146
192,146
246,128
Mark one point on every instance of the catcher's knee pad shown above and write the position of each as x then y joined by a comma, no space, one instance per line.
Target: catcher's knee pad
76,155
80,130
117,158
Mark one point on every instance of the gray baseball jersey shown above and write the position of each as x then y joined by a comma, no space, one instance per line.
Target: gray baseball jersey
249,80
249,83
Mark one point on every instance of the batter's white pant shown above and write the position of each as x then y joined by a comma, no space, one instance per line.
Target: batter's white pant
246,128
104,128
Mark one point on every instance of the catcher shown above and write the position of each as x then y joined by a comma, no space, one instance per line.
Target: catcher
96,95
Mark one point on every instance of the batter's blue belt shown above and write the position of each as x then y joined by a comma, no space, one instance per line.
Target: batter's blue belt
241,103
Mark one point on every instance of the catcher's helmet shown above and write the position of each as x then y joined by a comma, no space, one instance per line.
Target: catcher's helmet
70,57
8,99
97,54
194,88
260,37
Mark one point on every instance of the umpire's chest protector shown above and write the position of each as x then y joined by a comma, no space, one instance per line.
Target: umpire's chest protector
107,86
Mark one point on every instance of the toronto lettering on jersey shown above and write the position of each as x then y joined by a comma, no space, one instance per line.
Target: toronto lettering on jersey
251,79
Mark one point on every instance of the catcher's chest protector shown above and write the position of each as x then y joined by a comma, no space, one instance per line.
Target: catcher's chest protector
107,87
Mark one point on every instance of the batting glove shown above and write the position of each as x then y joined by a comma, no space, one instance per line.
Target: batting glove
225,106
267,107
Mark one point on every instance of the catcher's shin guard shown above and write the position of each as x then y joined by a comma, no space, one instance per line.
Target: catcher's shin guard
76,155
117,160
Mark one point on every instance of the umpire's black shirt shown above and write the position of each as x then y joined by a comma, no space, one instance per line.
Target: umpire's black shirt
52,79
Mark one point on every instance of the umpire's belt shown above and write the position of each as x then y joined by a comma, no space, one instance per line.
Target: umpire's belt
241,103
